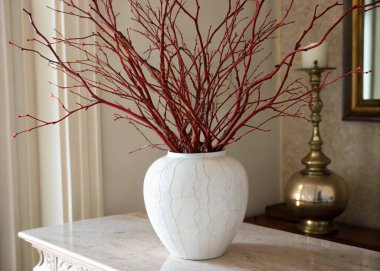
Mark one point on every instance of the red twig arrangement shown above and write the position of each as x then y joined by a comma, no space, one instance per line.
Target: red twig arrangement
198,95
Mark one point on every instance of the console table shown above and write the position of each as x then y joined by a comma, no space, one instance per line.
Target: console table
127,242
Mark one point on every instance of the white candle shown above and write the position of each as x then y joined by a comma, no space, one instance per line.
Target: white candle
319,53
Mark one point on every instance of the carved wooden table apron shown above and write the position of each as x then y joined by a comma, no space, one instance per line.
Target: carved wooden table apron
127,242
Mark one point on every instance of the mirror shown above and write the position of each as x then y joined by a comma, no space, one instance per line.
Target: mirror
362,49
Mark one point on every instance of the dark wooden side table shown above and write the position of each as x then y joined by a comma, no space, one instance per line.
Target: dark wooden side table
276,218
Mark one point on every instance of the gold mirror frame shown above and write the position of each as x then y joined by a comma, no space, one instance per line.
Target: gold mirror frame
354,106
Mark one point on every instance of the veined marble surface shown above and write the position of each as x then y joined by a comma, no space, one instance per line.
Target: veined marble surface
127,242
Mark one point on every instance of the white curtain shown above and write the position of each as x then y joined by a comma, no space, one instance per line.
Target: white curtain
19,187
50,176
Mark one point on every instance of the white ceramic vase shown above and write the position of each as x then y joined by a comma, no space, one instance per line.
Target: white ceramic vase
196,202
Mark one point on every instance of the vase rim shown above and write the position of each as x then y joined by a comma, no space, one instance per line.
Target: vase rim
196,155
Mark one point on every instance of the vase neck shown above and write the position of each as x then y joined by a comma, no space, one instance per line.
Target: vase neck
196,155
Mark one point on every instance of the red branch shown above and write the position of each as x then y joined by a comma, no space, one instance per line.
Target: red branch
201,94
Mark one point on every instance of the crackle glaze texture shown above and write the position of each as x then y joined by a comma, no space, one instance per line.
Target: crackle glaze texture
196,202
354,147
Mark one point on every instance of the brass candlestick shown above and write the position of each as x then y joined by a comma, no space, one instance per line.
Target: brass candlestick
315,194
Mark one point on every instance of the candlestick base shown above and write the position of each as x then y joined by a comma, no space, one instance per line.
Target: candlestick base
316,200
317,226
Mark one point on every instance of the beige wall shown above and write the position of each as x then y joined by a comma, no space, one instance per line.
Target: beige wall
124,173
354,147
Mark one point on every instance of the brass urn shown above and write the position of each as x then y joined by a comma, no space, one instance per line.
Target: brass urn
315,194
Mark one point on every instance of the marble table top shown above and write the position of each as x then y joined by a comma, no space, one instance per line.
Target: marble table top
128,242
